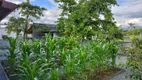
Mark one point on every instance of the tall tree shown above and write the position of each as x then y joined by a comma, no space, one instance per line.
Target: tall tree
28,12
86,18
16,25
131,25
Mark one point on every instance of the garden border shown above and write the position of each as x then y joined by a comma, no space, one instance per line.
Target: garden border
119,72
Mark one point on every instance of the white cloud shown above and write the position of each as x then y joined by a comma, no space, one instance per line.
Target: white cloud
19,1
53,2
50,16
129,11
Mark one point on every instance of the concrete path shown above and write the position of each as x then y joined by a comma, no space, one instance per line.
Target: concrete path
121,62
3,75
4,45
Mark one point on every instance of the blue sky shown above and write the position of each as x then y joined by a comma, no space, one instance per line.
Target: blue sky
49,4
128,11
120,1
44,3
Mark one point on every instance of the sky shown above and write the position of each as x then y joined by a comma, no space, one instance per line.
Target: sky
128,11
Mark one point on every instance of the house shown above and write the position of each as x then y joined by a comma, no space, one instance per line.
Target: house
38,30
4,32
5,9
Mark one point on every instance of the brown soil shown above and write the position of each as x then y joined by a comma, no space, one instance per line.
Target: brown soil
104,74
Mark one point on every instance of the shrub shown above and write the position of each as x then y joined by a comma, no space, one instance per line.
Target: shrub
4,37
134,61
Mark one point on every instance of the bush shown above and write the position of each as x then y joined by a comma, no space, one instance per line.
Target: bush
4,37
137,42
134,60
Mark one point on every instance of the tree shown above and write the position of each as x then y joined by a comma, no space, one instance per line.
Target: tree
131,25
28,12
16,25
86,18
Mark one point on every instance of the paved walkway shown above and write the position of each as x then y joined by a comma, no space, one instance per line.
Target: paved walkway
4,45
121,61
3,75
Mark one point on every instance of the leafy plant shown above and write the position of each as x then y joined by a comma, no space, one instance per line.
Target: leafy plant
62,58
134,60
83,19
12,56
32,64
28,12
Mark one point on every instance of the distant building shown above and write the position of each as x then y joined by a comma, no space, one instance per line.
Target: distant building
38,30
5,9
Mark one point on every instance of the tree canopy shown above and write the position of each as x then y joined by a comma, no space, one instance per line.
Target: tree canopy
28,12
86,18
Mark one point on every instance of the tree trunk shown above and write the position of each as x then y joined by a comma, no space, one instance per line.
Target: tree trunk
25,34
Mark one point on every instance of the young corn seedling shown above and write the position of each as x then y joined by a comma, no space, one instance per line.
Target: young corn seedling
12,56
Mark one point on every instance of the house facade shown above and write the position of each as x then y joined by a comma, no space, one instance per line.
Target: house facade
5,9
38,30
4,32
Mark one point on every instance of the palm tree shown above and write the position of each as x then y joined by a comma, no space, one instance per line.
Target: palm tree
132,25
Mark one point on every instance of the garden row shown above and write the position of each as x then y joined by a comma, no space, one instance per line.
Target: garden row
59,58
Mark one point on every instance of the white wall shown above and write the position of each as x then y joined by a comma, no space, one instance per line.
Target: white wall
3,32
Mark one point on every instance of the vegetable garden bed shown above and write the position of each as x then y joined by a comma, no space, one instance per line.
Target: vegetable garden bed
61,59
106,74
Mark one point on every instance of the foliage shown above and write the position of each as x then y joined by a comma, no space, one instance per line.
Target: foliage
134,32
27,14
4,37
63,58
134,59
32,65
86,18
123,50
132,25
137,42
33,11
16,25
40,27
12,56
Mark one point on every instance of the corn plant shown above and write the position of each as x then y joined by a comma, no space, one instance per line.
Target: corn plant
32,66
12,55
63,58
54,74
